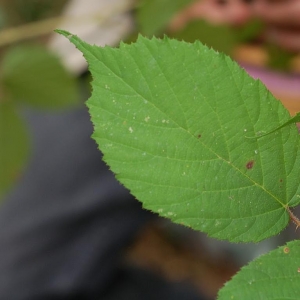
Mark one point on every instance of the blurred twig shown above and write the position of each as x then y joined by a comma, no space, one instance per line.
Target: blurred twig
39,28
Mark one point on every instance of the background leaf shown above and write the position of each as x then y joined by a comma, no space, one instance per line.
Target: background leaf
273,276
171,119
154,15
220,38
33,75
14,147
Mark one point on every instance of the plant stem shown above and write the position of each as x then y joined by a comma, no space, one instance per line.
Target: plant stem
293,218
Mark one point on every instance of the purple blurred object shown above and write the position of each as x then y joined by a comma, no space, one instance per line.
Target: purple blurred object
276,81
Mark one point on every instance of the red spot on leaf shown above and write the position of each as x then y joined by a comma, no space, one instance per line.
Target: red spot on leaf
250,164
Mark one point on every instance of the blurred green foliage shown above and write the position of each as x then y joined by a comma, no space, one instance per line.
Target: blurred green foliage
30,75
221,38
33,75
153,16
14,149
23,11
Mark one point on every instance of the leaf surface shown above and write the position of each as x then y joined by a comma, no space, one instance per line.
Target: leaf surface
273,276
292,120
171,119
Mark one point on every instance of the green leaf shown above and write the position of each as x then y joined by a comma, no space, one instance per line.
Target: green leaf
171,119
273,276
14,147
249,31
221,38
292,120
154,15
279,58
33,75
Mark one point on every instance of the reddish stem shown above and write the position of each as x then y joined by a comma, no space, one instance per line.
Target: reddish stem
294,219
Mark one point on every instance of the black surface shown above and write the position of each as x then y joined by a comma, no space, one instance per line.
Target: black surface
64,226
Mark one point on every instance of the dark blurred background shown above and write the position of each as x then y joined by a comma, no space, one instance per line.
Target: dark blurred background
69,230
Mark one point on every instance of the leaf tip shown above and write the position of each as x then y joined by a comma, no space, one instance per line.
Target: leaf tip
64,33
74,39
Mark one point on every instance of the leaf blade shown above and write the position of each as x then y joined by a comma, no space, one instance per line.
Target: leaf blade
166,121
274,275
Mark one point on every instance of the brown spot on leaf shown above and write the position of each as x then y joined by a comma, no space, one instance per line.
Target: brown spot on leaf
199,136
286,250
250,164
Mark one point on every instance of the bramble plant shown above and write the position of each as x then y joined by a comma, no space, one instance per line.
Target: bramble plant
173,121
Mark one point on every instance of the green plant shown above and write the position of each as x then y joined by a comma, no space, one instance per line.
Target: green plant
30,76
173,120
